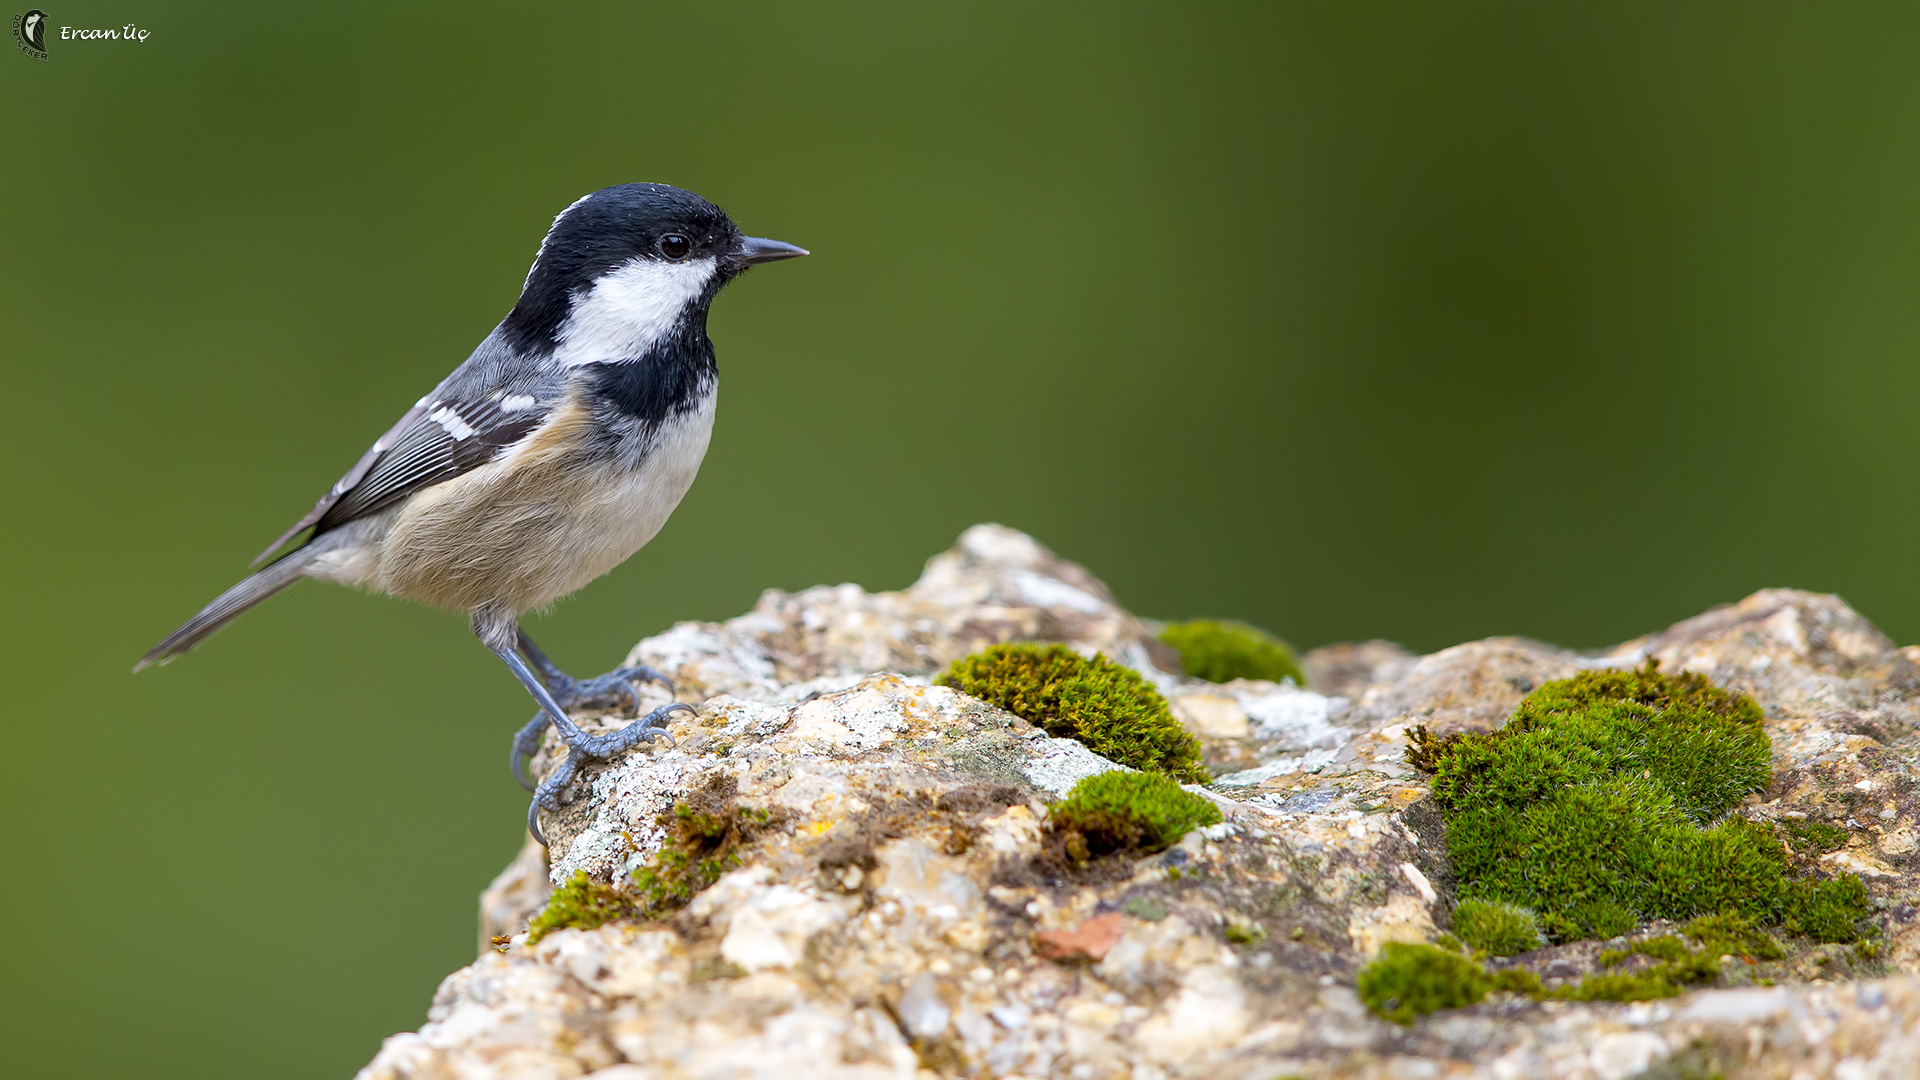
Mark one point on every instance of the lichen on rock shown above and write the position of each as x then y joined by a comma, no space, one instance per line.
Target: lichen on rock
860,882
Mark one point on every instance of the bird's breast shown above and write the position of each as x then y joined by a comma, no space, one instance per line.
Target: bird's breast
569,503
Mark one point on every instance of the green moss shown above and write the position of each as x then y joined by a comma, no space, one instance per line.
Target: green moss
1124,813
1677,965
1410,980
1517,980
1649,985
1828,910
1810,837
1495,928
1733,935
1605,801
1108,707
1665,947
1221,651
580,904
705,832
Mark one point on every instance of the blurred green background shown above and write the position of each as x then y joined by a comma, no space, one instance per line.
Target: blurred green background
1415,321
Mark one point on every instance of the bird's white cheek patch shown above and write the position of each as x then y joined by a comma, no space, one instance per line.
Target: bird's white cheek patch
628,309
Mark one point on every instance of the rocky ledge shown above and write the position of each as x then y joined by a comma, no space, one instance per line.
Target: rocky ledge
883,907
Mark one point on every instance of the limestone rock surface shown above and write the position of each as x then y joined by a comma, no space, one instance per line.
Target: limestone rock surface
896,921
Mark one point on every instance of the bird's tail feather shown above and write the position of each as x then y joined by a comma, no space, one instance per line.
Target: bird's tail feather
228,606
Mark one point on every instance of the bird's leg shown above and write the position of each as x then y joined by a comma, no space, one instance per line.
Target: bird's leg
608,691
603,692
498,633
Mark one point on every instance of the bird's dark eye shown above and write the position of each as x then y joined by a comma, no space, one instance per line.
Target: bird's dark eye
675,246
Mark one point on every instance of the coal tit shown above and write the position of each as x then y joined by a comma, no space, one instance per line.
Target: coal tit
555,451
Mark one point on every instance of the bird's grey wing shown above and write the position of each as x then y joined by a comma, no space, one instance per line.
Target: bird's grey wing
448,433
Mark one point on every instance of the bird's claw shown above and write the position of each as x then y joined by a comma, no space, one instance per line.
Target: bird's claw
599,747
613,690
526,743
589,694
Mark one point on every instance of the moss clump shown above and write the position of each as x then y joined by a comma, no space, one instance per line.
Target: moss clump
1677,966
1810,837
1221,651
1734,935
1125,814
580,903
1649,985
705,832
1494,928
1603,802
1410,980
1106,706
1827,910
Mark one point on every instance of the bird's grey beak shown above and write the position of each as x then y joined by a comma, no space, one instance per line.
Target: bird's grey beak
755,250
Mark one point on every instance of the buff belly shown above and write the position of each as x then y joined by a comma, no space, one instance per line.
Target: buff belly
541,522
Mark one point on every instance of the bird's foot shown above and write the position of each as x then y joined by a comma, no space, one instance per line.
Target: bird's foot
597,747
526,743
606,693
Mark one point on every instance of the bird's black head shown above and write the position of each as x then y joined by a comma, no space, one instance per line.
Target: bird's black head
632,253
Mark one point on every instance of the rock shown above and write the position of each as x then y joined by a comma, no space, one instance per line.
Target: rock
521,888
1213,716
1620,1054
1091,940
1816,664
1346,670
893,917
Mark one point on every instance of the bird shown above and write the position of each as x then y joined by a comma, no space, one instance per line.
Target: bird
33,27
551,454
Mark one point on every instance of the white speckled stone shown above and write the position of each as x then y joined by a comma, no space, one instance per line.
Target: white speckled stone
896,921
